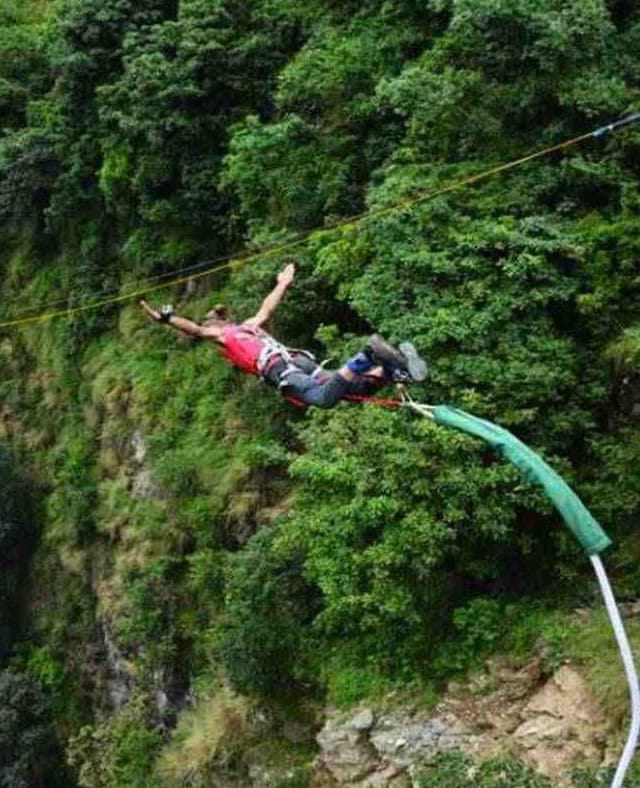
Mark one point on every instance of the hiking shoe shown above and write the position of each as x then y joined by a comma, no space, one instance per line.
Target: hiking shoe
385,354
403,364
416,365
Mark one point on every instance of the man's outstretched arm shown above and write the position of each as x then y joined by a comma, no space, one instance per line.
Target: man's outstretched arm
181,323
270,303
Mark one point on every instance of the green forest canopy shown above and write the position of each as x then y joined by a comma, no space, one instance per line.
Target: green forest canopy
137,138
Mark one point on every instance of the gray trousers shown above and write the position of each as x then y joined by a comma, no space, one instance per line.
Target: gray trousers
304,379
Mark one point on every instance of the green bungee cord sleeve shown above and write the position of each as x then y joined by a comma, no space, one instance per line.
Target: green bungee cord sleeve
578,518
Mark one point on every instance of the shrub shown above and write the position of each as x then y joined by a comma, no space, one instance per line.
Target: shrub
118,752
268,607
204,739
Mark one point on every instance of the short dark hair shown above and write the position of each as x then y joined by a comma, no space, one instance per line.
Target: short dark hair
219,314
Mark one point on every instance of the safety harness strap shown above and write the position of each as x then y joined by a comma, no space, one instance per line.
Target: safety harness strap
274,350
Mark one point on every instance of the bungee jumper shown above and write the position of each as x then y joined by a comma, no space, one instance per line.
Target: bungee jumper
296,373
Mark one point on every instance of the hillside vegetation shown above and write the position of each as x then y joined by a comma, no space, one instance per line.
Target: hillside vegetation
170,523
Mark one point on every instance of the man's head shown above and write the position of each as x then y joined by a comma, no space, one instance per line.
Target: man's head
218,316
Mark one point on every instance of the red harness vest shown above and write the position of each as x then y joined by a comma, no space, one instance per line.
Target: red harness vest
243,344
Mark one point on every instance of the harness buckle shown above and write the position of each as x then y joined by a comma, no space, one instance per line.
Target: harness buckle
267,354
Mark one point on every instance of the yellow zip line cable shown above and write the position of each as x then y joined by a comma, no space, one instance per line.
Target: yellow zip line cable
239,260
236,261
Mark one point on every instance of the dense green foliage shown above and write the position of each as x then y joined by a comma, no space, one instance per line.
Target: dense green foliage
28,747
193,525
17,533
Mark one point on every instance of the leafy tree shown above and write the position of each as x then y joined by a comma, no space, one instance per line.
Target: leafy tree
313,159
17,532
28,747
268,605
24,72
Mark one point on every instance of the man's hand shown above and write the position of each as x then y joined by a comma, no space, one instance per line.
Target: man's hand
162,315
166,315
285,276
154,314
270,303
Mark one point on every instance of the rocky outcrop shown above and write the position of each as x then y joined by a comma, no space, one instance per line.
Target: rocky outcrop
141,483
550,723
350,757
561,724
